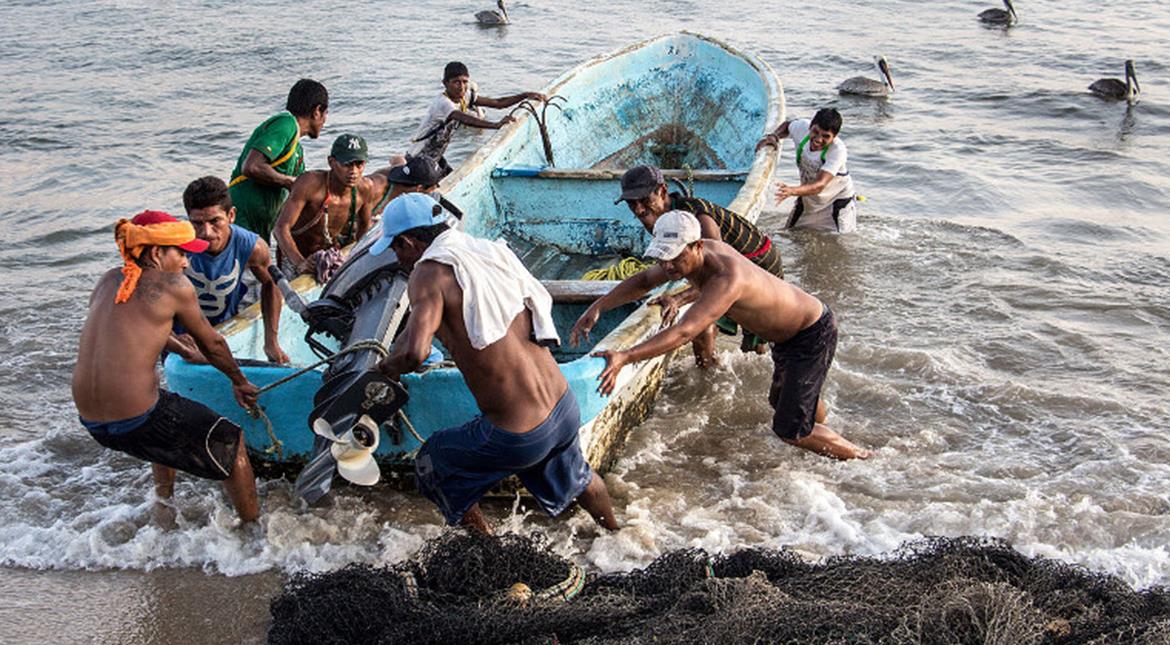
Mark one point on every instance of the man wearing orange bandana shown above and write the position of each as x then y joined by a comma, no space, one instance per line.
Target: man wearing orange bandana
115,386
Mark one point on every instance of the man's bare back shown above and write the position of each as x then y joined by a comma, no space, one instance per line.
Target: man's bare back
772,308
115,376
515,381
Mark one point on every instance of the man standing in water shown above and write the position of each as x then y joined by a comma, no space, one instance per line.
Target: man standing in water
115,387
218,273
801,329
644,191
326,210
273,158
493,317
825,196
459,104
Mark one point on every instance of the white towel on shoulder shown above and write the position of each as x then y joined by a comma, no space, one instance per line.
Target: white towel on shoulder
496,287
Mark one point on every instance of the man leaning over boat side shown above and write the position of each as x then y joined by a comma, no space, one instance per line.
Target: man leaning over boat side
494,318
326,210
459,104
218,273
825,197
802,329
644,191
273,157
116,388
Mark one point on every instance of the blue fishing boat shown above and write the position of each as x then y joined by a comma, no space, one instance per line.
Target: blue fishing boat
546,183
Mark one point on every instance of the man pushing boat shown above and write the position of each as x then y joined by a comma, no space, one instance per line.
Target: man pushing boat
644,191
825,199
115,387
802,330
495,319
460,103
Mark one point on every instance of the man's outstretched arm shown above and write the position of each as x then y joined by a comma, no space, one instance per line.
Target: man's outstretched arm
210,342
413,345
713,301
627,290
509,101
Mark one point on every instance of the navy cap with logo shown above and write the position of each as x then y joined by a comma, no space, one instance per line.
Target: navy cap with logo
349,148
640,181
419,170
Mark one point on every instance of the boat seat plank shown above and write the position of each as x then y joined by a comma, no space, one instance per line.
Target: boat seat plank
610,174
578,291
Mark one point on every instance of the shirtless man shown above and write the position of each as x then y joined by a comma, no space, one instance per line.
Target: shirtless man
530,419
326,210
645,193
801,329
115,387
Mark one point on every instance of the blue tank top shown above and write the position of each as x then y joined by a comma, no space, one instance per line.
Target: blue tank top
218,279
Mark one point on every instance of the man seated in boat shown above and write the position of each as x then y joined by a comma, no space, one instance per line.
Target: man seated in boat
825,197
115,386
495,320
218,273
413,174
644,191
326,210
459,104
802,330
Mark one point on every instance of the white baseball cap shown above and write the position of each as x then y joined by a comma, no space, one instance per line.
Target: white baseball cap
672,233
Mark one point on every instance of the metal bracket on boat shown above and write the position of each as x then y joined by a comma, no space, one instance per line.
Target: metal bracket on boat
541,117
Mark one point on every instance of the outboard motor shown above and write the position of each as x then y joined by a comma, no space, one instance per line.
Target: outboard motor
361,308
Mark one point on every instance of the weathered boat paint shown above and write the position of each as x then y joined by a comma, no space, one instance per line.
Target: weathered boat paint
622,108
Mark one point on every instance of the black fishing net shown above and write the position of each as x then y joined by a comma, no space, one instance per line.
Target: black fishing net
461,588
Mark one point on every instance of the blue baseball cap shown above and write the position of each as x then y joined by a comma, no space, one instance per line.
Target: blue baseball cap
405,212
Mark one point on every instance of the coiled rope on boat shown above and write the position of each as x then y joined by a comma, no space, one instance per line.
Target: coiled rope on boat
620,270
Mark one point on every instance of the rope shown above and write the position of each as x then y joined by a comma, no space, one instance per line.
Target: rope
618,271
410,427
258,412
566,589
358,346
277,445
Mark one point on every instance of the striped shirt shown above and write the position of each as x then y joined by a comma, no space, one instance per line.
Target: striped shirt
741,234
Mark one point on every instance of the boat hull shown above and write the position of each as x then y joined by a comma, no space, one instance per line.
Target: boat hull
678,100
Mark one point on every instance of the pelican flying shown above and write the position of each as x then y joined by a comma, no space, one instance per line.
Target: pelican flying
1112,88
865,86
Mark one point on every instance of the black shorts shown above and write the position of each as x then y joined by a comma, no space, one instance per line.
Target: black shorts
802,363
182,434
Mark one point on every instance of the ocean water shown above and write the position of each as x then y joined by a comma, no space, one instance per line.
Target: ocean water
1004,307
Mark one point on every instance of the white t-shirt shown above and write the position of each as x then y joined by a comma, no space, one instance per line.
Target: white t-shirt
818,209
435,132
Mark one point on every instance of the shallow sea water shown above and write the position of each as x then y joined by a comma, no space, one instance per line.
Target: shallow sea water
1004,307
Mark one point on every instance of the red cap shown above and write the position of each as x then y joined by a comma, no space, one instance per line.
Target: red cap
146,218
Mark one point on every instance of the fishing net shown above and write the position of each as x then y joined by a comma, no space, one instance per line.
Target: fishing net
461,588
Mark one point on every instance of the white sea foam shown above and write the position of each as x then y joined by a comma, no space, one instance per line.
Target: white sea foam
710,476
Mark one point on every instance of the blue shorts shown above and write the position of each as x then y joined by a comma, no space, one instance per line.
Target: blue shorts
457,466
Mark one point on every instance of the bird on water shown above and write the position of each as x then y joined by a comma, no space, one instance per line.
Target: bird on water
1006,17
491,17
865,86
1112,88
